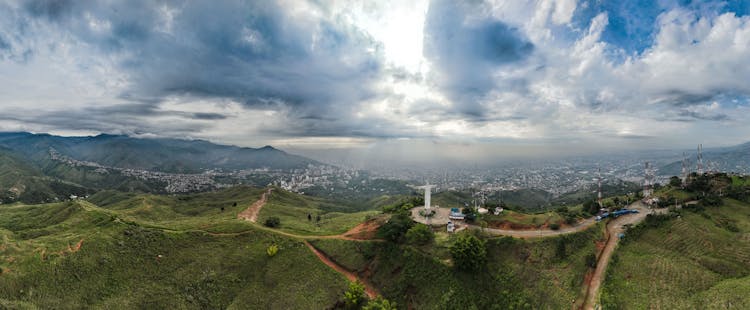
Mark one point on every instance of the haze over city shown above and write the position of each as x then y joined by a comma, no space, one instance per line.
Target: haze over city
440,80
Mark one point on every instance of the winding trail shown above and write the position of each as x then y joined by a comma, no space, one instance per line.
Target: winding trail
251,213
369,289
361,232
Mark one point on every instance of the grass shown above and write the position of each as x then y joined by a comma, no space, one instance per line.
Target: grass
293,209
127,261
519,274
684,260
181,212
517,219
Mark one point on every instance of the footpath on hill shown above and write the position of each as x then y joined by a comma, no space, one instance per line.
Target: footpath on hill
369,289
251,213
361,232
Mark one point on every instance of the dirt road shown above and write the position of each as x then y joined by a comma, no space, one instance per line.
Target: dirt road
583,225
251,213
614,228
369,289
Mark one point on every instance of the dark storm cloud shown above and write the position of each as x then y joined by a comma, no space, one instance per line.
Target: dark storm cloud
467,52
252,52
52,9
124,119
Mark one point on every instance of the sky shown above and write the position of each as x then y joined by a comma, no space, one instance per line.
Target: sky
458,79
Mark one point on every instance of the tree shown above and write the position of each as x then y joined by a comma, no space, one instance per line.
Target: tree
554,226
354,295
396,227
591,206
272,222
380,303
420,234
469,252
675,181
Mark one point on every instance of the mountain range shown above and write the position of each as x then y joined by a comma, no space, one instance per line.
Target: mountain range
164,155
42,168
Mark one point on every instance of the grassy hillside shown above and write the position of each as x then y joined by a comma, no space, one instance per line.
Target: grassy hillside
77,255
180,212
697,260
520,273
21,181
292,209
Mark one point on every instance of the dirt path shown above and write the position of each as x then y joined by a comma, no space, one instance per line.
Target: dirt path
251,213
369,289
614,228
583,225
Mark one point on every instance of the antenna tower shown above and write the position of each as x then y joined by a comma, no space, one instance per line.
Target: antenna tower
599,180
700,159
684,174
648,180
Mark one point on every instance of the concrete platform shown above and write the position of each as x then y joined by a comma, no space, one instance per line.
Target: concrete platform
439,218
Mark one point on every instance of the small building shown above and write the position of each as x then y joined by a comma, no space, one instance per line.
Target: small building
497,211
451,227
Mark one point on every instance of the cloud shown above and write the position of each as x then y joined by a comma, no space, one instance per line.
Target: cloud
256,52
467,51
258,72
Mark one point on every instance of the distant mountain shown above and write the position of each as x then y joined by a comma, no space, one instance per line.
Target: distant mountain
165,155
725,159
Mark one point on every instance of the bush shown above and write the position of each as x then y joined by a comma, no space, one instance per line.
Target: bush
560,251
354,295
272,222
396,227
469,252
420,234
591,260
554,226
272,250
380,303
591,207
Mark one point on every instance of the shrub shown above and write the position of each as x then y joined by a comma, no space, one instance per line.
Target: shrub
380,303
272,222
420,234
469,252
396,227
554,226
272,250
560,251
591,260
354,295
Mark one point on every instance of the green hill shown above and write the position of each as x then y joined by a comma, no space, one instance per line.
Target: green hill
520,274
149,259
21,181
696,258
